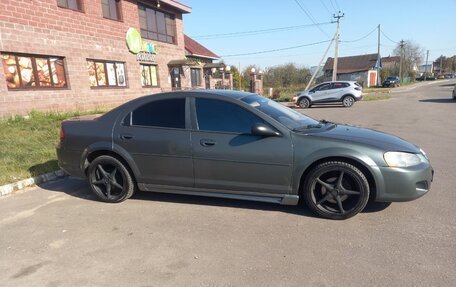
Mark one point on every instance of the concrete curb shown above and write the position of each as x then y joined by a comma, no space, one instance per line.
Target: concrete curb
13,187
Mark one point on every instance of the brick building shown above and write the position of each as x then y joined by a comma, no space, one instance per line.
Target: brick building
80,54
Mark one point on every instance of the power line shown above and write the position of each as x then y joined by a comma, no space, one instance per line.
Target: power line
330,1
326,7
383,33
257,32
310,17
337,4
362,38
275,50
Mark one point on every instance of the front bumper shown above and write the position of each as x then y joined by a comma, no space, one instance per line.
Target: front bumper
405,184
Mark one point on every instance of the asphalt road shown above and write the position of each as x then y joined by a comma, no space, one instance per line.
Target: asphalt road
59,235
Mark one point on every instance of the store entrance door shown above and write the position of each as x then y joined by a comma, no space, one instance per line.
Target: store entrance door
176,78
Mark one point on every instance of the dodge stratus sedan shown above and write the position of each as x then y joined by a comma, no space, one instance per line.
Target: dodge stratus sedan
240,145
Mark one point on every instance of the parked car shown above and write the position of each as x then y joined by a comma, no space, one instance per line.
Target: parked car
428,78
449,76
345,92
391,81
240,145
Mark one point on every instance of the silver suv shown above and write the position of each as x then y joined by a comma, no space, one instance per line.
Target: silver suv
345,92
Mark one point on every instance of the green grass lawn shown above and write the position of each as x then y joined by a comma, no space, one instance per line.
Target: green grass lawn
27,144
376,97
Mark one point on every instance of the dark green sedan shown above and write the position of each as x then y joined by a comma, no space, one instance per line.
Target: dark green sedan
240,145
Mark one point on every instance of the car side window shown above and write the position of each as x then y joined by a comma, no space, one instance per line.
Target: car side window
169,113
324,87
220,116
338,85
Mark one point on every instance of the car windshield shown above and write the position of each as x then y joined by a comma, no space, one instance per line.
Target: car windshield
280,113
391,78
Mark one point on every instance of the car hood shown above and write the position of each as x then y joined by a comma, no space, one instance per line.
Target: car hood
365,136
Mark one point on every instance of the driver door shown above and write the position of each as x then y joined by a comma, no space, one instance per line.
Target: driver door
228,157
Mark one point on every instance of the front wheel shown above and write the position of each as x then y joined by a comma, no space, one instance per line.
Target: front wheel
348,101
336,190
110,180
304,103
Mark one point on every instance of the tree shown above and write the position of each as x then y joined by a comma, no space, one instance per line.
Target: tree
412,57
448,64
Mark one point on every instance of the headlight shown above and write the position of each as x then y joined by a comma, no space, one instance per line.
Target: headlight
401,159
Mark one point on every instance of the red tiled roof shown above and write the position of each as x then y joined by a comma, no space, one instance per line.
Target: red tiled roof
395,59
352,64
197,50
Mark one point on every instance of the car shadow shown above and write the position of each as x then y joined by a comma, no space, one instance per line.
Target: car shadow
78,188
443,101
41,168
447,85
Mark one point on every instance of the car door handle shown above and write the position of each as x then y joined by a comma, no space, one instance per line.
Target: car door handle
207,142
126,136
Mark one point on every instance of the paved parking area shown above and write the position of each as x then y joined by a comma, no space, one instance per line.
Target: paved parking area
59,235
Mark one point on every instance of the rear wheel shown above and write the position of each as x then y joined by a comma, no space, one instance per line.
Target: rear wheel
348,101
336,190
304,103
110,180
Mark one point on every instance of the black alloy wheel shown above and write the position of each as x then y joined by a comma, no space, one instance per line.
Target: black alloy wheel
348,101
110,180
336,190
304,103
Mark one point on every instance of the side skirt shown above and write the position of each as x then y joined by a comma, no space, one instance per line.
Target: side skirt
284,199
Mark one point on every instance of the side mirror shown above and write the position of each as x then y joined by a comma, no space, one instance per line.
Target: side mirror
263,130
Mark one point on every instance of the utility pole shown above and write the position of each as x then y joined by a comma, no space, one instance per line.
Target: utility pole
441,64
338,16
425,67
378,56
402,43
317,70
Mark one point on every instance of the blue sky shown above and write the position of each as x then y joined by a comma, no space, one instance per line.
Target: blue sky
428,23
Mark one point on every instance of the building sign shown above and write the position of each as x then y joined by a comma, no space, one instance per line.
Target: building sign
144,51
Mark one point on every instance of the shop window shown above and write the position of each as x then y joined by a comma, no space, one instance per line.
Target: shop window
149,75
196,77
70,4
157,25
33,72
163,113
106,74
111,9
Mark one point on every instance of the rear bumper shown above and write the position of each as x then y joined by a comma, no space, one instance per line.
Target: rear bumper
405,184
69,161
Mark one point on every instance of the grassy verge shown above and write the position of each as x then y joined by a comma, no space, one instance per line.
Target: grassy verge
376,97
27,145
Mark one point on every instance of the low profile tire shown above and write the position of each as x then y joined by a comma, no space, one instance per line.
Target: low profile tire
336,190
348,101
110,180
304,103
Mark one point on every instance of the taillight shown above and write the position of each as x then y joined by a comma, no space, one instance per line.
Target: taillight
358,88
62,133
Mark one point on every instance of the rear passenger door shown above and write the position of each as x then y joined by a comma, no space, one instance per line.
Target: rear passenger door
338,90
157,137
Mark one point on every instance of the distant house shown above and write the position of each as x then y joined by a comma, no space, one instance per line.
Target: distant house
354,68
214,75
197,52
391,62
426,69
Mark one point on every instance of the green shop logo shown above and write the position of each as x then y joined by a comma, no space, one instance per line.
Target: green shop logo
144,51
